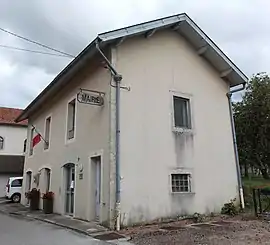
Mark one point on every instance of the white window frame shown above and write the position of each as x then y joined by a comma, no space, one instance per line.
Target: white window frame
25,146
97,153
3,138
46,178
188,97
50,133
31,137
67,140
190,180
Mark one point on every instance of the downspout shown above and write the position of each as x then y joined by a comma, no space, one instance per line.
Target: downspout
117,79
239,179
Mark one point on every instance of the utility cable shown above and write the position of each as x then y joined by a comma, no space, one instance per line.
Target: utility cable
32,51
37,43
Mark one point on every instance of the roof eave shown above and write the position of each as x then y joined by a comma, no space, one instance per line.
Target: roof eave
175,22
235,77
61,76
13,124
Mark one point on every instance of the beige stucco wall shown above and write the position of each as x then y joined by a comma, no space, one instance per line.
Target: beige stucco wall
91,136
14,137
155,68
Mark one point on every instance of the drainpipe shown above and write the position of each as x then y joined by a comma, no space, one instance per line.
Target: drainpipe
117,79
239,179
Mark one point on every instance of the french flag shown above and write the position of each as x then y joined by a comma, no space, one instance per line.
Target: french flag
36,140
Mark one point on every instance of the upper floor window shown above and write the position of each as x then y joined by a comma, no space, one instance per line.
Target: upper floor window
182,117
1,143
71,120
24,145
47,133
31,141
47,179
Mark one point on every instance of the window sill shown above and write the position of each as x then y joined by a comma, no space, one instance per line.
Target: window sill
183,193
69,141
179,130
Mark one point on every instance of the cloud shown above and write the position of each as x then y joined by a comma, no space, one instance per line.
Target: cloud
70,25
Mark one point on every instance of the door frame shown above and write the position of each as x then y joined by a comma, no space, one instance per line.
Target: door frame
64,184
28,183
98,153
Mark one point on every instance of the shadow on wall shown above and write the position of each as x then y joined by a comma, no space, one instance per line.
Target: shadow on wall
11,164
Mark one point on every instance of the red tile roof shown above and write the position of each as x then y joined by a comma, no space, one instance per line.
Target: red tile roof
8,116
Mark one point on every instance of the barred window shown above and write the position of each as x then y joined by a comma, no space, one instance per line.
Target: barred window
180,183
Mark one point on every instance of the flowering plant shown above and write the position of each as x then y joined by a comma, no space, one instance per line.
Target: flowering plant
32,194
48,195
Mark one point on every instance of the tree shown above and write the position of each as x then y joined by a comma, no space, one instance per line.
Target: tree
252,124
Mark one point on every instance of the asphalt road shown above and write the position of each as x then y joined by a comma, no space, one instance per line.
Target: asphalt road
19,231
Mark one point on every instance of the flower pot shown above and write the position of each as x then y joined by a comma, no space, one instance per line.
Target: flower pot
34,196
48,206
34,203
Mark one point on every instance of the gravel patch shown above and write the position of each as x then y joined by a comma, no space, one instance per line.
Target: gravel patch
236,232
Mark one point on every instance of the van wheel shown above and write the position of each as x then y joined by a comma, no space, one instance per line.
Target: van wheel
16,198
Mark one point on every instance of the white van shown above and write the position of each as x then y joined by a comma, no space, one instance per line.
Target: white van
14,189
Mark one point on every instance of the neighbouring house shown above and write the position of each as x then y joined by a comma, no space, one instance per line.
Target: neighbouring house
12,145
176,153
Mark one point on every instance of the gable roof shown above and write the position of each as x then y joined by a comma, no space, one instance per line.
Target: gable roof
180,23
8,116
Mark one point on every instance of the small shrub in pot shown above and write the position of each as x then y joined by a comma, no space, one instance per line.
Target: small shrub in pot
48,202
33,196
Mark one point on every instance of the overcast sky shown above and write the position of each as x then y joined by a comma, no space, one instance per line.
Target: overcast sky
240,27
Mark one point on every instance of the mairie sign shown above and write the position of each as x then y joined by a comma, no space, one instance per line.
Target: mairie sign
90,97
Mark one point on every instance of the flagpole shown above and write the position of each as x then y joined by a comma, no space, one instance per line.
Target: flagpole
39,134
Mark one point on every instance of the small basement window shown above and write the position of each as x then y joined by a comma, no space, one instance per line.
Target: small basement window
180,183
182,117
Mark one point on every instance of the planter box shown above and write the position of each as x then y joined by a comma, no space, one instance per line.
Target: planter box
34,203
48,206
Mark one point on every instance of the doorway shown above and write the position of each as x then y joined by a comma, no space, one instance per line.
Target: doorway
96,177
28,181
69,178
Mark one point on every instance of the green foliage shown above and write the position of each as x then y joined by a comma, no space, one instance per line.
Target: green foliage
197,218
252,124
229,208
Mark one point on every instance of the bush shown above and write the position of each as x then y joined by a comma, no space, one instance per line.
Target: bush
197,218
33,194
229,208
48,195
